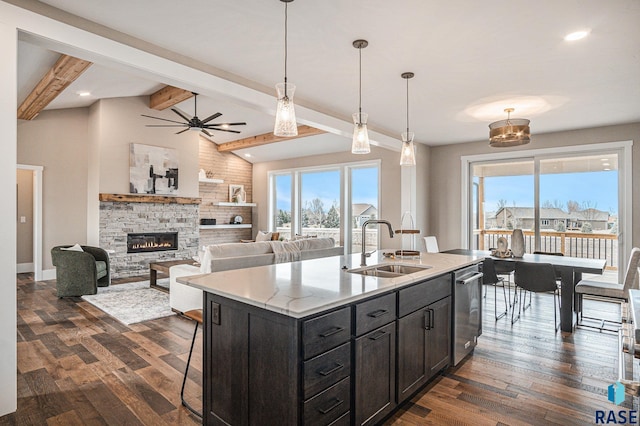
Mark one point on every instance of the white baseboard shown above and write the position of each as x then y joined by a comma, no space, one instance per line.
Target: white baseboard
49,274
24,267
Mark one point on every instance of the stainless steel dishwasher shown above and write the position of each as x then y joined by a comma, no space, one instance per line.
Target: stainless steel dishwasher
467,312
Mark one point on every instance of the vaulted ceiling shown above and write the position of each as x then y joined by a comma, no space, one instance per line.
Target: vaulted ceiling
471,60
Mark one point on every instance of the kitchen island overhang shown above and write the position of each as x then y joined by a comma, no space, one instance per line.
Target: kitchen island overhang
300,289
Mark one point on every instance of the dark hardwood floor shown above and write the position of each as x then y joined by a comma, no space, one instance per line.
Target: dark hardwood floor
77,366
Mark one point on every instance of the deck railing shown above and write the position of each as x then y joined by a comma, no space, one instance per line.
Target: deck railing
574,244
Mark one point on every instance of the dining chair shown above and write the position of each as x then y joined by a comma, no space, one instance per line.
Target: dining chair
489,277
431,244
536,278
618,291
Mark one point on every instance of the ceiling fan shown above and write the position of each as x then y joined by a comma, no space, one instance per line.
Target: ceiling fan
194,123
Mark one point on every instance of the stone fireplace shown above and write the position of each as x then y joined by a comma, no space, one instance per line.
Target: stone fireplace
140,229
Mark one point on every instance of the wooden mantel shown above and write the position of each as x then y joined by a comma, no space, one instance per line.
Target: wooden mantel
146,198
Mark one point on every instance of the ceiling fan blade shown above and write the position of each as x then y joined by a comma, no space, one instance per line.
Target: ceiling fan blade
207,133
167,125
222,130
211,117
163,119
228,124
182,131
180,114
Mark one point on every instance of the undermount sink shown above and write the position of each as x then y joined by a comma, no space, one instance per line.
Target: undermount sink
389,270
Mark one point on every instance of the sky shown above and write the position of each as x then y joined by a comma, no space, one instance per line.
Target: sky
326,186
599,189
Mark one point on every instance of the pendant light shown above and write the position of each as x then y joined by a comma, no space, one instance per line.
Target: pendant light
509,132
407,153
360,142
285,125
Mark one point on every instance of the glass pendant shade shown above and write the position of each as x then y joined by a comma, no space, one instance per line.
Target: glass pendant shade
408,152
360,143
285,125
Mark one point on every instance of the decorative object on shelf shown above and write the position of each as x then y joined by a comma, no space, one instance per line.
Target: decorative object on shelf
407,152
207,221
202,174
152,169
509,132
237,220
360,142
517,243
237,194
285,124
194,123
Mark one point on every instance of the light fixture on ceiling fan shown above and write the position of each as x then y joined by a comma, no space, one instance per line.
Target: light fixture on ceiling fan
194,123
408,151
285,125
509,132
360,142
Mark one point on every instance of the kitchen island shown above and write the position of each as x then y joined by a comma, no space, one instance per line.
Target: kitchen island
312,343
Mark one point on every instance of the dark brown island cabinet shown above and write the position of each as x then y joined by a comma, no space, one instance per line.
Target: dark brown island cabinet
350,365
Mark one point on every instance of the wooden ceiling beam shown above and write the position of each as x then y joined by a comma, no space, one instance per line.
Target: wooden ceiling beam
267,138
64,72
167,97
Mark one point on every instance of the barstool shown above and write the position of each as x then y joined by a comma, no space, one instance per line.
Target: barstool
196,315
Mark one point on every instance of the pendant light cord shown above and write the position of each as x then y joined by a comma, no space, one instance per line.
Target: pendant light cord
407,105
285,48
360,87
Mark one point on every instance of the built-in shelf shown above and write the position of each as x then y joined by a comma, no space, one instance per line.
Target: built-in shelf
211,180
226,226
229,204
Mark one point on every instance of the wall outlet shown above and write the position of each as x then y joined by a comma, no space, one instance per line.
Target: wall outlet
23,219
215,313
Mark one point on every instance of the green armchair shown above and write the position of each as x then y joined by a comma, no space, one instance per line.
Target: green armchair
80,272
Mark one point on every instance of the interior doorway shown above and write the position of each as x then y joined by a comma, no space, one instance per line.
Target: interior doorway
31,214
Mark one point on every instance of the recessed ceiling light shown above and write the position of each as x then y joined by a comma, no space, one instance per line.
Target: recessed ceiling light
606,164
604,159
84,94
225,126
606,169
577,35
247,155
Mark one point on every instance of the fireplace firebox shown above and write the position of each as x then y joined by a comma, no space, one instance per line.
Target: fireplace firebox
152,241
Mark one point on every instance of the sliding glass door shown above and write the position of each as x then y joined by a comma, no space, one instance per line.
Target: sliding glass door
565,203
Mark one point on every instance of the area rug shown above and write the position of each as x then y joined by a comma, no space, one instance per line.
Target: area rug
131,303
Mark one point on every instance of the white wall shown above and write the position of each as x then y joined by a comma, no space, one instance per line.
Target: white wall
8,107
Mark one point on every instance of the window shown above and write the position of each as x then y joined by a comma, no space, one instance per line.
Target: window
315,202
569,200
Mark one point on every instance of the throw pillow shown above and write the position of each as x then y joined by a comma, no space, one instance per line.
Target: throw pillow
263,236
75,247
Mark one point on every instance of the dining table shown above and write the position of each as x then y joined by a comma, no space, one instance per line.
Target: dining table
570,270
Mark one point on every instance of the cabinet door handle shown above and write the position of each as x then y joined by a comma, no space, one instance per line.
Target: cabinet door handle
333,370
378,313
378,335
331,331
427,319
432,318
333,406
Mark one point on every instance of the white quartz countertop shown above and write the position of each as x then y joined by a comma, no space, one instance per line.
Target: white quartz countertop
299,289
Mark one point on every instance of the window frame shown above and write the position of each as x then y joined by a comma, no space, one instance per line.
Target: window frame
625,195
345,194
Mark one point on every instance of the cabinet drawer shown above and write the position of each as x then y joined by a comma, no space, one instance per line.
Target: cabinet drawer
326,332
328,406
375,313
326,369
422,294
